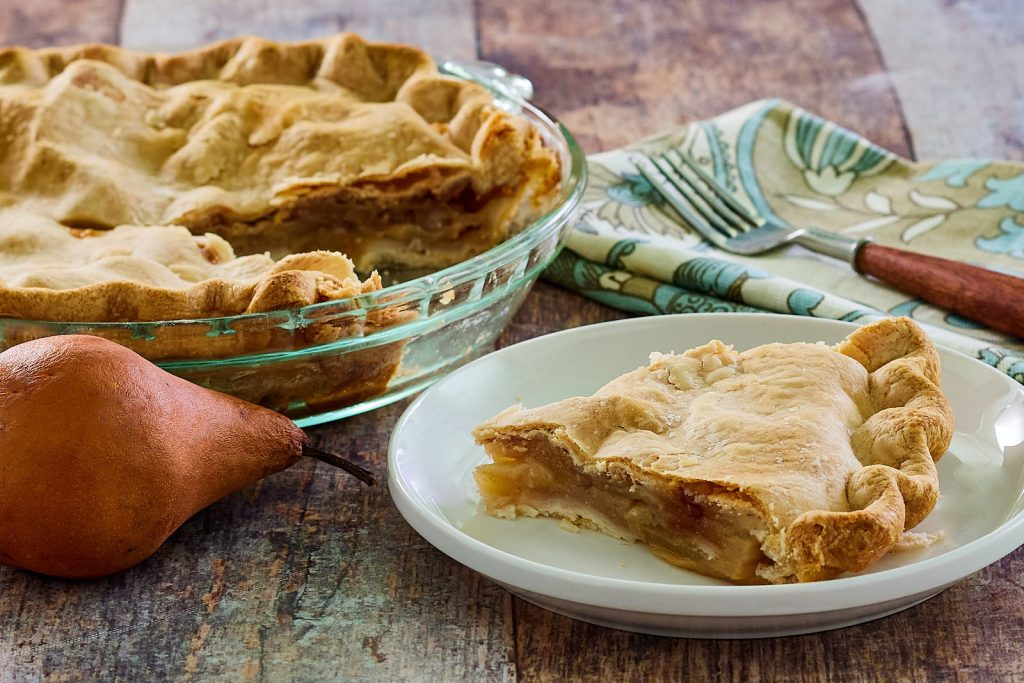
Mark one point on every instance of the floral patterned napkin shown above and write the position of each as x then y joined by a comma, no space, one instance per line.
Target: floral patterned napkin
632,252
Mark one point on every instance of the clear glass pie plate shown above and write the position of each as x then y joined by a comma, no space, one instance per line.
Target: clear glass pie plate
339,358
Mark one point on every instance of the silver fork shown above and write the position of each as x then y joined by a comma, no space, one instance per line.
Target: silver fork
990,297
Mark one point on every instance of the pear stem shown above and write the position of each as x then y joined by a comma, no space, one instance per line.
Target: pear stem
365,476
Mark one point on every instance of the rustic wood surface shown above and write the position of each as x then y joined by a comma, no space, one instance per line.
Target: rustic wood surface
308,576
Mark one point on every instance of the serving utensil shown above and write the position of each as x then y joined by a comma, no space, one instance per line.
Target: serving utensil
989,297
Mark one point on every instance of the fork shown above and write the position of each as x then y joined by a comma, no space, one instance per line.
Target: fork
989,297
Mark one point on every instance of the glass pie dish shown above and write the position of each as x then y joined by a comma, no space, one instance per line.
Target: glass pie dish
338,358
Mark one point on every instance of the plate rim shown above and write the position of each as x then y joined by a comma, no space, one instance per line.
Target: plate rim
683,599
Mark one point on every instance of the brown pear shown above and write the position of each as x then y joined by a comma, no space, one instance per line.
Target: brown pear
103,455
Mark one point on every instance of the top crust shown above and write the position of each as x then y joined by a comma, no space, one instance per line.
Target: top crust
834,447
99,136
133,273
234,139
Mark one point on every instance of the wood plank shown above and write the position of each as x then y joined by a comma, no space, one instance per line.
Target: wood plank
971,632
444,27
41,23
618,70
959,71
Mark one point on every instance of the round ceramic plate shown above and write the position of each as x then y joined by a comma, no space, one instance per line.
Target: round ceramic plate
602,580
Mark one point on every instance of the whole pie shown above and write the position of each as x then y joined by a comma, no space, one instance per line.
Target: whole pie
332,144
249,176
783,463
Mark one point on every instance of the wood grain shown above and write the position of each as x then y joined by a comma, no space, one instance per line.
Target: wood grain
309,576
442,27
40,24
618,70
959,71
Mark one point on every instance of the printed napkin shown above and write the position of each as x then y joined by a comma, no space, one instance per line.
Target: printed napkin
630,250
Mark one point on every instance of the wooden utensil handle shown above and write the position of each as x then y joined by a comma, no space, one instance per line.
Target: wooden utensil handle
992,298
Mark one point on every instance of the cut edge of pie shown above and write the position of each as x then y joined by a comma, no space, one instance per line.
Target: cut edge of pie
744,512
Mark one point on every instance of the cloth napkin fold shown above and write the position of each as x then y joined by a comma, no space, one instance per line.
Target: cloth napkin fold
630,251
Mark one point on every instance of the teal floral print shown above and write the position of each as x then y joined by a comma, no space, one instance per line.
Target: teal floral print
830,157
1010,240
631,251
1008,192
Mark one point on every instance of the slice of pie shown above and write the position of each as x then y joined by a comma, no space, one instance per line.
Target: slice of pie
332,144
783,463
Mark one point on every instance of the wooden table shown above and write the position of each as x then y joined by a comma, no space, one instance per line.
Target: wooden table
308,576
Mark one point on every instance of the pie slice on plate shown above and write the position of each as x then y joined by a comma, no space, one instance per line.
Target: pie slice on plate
783,463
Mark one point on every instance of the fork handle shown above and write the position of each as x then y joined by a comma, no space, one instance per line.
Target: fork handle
992,298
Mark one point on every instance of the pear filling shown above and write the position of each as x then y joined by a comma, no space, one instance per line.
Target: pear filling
694,526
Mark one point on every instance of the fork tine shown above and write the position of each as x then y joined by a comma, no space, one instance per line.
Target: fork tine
676,199
724,195
687,188
711,194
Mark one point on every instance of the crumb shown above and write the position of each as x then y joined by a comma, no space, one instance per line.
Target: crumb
916,540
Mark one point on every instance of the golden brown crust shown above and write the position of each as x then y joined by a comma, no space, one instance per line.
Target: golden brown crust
257,141
911,427
334,144
834,448
131,273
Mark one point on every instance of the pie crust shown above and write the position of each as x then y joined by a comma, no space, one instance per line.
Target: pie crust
333,144
783,463
135,273
291,165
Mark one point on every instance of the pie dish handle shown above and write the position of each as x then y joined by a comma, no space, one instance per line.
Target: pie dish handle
510,89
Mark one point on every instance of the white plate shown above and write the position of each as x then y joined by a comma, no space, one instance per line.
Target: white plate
602,580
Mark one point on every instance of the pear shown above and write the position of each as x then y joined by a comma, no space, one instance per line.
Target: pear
103,455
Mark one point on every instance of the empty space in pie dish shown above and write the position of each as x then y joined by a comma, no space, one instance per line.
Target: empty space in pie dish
979,512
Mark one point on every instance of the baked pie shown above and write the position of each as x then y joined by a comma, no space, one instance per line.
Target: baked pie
783,463
332,144
249,176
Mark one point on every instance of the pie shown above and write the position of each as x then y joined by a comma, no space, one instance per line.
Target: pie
248,176
332,144
783,463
